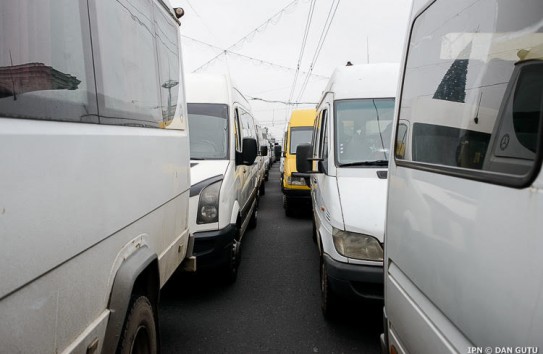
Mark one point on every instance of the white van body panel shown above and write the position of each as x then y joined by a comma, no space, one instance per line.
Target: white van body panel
204,169
363,200
463,255
447,237
82,195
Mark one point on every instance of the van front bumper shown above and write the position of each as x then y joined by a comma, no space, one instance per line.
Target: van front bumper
355,281
213,248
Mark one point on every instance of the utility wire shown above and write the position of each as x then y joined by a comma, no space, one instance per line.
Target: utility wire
254,31
320,44
256,60
279,101
302,48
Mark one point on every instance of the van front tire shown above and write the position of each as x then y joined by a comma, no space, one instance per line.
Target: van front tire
230,271
328,298
287,206
140,331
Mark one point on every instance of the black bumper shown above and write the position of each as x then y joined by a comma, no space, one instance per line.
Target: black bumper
212,248
297,194
355,281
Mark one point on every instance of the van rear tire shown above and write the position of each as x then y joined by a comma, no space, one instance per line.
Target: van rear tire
140,331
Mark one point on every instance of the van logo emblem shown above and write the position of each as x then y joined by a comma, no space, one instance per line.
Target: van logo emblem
504,142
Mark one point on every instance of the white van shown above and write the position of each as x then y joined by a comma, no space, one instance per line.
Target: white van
225,172
464,232
350,144
94,176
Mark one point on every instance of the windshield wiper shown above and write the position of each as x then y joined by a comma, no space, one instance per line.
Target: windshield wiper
197,158
365,163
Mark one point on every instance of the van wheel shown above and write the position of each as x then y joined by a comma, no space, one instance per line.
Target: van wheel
314,235
287,206
254,219
140,332
231,270
262,188
328,298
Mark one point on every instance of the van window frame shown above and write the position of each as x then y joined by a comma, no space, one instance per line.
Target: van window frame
485,176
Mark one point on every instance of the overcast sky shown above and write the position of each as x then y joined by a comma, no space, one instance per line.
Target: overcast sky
263,65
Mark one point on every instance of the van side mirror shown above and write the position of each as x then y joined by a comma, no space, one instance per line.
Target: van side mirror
247,156
304,153
264,150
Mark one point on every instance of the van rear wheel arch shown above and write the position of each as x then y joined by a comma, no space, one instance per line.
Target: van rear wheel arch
138,276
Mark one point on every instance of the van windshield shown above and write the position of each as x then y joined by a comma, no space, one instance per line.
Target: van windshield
208,130
363,129
299,136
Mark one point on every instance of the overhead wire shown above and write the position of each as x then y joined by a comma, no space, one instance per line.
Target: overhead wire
322,39
247,57
252,33
302,47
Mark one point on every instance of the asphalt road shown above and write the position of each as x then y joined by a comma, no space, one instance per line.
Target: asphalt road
275,304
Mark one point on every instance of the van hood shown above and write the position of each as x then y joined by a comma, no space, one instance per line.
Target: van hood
363,202
201,170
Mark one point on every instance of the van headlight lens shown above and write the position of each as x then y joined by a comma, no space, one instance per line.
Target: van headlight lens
358,246
208,204
296,181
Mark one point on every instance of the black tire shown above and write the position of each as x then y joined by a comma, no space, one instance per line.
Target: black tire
140,331
328,298
230,271
262,189
287,205
314,234
254,219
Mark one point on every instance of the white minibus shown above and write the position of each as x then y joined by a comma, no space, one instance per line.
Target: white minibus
225,172
464,232
94,173
350,144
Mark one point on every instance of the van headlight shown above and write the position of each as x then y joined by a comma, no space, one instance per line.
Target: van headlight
208,204
296,181
358,246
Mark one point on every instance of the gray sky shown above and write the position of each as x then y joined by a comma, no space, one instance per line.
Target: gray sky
358,25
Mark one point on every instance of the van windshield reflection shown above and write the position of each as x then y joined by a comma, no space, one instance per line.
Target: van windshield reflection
363,131
208,129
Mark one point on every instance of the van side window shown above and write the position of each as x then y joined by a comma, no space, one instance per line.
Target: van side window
516,139
320,147
324,137
44,68
472,93
168,60
247,124
126,66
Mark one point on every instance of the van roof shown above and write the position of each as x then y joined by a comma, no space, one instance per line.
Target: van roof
213,88
364,81
302,117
